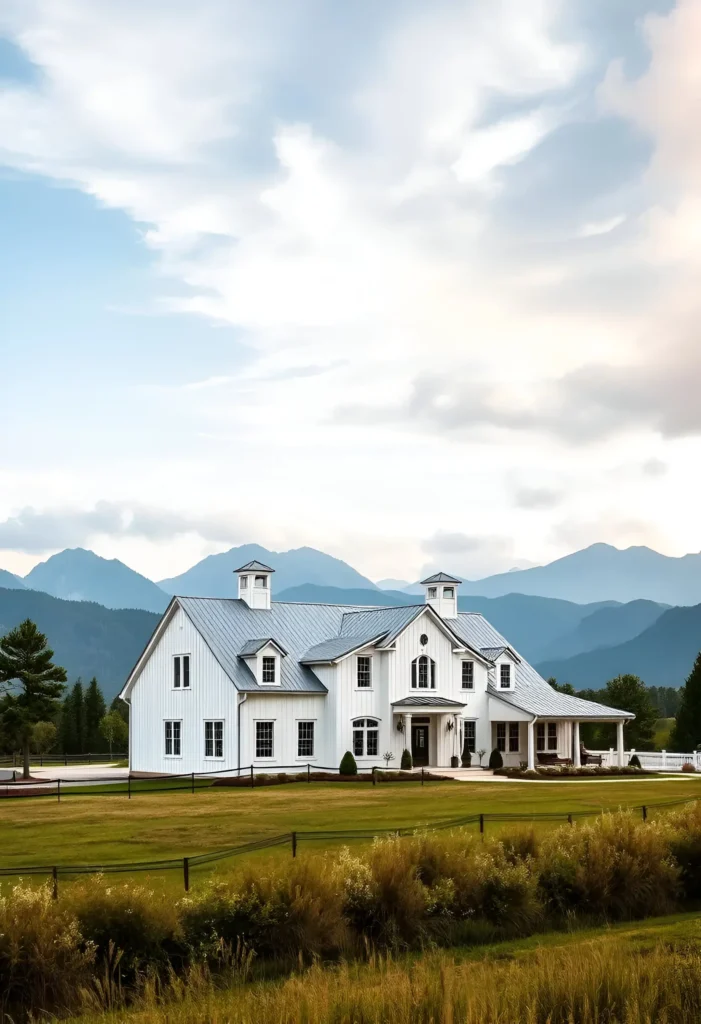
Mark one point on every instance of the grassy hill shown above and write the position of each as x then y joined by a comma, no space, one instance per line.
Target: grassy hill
89,640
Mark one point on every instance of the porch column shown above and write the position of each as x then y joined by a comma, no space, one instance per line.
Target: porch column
407,731
575,742
530,732
621,746
456,734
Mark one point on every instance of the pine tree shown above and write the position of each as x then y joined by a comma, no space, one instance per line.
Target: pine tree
33,684
78,712
95,709
686,733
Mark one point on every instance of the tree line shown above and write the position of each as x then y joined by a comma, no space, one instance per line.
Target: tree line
35,716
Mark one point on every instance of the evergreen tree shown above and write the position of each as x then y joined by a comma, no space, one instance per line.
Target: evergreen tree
32,683
686,734
73,720
629,693
95,709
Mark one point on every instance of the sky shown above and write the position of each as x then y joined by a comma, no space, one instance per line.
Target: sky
413,283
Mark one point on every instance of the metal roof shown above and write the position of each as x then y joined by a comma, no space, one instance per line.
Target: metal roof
227,624
496,652
440,577
254,566
335,647
427,701
531,692
371,622
252,647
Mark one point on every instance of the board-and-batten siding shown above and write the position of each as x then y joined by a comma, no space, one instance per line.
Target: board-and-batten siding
211,696
285,712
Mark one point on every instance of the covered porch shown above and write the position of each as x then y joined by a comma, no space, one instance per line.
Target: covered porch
430,727
529,740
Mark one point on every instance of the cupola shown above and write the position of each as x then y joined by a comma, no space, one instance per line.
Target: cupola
442,594
254,584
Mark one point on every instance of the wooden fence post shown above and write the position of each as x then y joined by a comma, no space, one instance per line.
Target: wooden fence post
251,776
129,786
54,873
569,818
482,824
193,782
309,773
294,844
644,813
422,775
186,873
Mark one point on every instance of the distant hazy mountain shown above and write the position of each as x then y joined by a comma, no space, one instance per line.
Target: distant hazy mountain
393,584
603,573
662,655
79,575
88,640
534,625
607,627
213,576
9,581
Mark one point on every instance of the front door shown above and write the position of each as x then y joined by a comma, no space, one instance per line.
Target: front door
419,745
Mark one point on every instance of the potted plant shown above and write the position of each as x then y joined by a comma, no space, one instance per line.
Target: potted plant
480,754
454,761
387,757
466,759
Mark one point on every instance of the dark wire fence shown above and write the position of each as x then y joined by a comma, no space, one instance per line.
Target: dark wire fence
16,760
17,787
293,839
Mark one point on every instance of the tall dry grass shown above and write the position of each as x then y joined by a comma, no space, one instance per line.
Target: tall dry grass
114,942
588,984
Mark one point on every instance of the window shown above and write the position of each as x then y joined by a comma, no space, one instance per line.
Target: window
365,737
514,744
364,671
432,593
423,673
244,582
423,639
540,736
265,735
172,736
468,675
305,739
213,739
505,676
260,581
469,737
268,675
449,592
552,735
501,736
181,672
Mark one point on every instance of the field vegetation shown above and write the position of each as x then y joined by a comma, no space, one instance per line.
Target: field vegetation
104,944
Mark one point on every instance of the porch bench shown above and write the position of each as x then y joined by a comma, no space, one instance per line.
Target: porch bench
587,758
551,759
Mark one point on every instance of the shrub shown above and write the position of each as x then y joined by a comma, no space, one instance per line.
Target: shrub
348,765
688,767
685,846
406,763
44,959
634,762
495,759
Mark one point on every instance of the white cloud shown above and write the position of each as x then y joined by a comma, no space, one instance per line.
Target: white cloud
362,233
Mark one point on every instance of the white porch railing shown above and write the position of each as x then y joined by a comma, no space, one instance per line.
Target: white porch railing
652,760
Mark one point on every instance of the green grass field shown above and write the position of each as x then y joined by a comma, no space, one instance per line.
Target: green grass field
109,828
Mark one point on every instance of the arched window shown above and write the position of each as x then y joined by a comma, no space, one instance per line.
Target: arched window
366,737
423,673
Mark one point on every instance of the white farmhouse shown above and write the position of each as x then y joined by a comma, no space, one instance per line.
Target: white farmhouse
225,684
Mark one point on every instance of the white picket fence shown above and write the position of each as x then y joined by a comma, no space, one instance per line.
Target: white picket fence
652,760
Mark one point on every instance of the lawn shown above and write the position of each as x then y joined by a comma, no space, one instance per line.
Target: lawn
109,828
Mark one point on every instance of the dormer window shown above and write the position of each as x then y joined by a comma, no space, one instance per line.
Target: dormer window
260,581
268,671
505,677
449,592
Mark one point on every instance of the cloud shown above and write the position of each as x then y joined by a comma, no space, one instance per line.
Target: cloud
537,497
602,227
655,467
36,532
468,556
